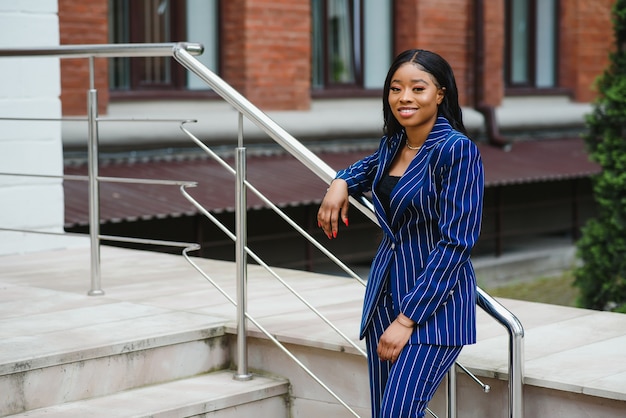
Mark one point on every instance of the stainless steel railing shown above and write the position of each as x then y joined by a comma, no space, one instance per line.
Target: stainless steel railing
321,169
184,54
94,180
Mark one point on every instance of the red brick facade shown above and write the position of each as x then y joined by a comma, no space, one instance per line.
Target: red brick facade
492,82
84,22
266,47
266,51
586,38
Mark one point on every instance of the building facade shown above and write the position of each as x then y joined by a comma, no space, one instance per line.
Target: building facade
283,54
287,55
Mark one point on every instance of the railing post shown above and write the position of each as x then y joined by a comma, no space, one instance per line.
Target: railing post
94,188
452,395
516,350
516,372
241,209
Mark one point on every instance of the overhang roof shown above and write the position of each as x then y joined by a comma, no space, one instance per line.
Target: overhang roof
285,181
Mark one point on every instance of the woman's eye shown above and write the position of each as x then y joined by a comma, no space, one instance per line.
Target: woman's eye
394,89
418,89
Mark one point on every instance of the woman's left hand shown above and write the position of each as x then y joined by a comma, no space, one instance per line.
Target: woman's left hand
393,340
334,206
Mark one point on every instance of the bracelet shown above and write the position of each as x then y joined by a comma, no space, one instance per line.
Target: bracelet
403,324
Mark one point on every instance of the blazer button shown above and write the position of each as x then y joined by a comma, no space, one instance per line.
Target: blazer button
393,246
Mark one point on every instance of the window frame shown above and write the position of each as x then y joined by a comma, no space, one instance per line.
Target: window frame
530,86
177,26
330,89
137,89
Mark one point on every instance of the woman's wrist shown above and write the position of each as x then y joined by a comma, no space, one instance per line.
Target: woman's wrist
405,321
337,180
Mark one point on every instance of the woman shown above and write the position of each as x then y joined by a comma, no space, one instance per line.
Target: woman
426,180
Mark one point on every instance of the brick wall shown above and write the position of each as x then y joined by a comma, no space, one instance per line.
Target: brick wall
493,63
266,47
83,22
586,39
406,26
233,44
266,51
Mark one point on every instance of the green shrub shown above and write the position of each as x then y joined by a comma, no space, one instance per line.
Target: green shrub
602,247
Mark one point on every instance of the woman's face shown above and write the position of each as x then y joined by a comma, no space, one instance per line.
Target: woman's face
414,97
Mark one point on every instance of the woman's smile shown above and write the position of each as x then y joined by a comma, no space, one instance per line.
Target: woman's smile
407,111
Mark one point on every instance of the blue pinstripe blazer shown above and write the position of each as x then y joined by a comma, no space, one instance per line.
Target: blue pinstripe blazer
434,221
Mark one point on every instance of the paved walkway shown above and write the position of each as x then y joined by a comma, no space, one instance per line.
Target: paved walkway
45,313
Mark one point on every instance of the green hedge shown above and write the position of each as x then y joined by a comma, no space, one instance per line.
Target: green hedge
602,247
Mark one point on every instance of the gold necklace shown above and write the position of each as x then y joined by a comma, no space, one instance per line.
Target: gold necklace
412,148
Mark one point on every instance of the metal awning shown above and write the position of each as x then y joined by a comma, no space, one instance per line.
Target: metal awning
285,181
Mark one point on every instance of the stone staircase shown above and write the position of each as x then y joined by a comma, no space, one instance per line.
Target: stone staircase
214,393
174,374
161,343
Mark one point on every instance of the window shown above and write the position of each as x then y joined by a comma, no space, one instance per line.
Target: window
352,47
156,21
531,46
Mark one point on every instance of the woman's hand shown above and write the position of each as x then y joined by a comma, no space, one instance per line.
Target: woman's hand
334,205
395,338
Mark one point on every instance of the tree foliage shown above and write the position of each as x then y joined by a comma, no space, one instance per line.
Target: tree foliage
601,278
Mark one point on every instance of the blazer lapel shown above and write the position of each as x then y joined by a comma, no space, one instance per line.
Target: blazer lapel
417,172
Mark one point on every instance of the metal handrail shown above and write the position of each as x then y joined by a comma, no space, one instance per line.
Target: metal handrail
265,123
270,336
516,349
326,173
270,270
138,50
183,53
105,50
272,206
189,247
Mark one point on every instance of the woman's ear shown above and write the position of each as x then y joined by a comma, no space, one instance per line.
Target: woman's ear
440,95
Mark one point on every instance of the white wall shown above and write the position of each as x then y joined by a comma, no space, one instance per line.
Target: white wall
30,87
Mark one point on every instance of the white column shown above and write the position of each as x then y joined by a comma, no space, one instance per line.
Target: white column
30,87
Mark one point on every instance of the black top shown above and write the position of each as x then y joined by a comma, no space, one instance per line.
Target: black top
386,185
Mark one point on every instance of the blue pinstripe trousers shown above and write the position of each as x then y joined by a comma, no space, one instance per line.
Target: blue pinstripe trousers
404,388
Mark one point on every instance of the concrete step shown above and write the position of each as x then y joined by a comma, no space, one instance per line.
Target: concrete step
83,363
56,343
217,394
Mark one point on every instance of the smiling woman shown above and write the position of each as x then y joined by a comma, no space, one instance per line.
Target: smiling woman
427,182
